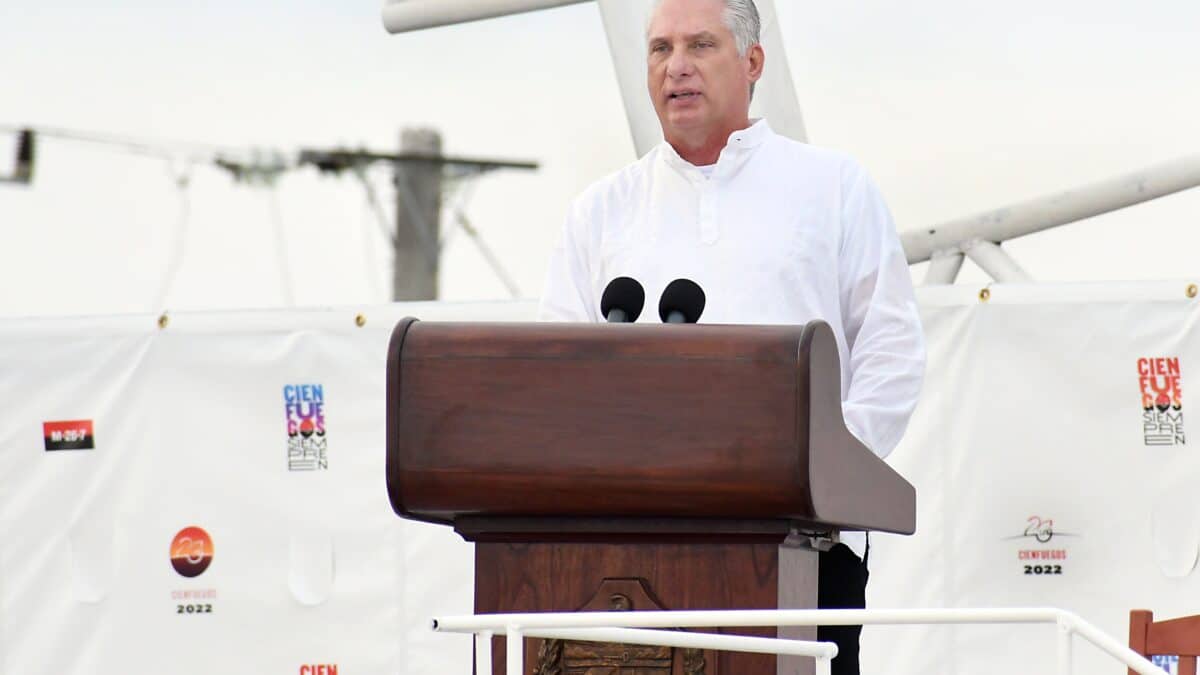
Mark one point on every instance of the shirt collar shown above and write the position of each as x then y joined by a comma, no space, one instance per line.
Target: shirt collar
736,149
750,137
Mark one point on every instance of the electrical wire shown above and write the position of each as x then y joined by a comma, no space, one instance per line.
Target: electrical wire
182,180
461,218
462,191
188,151
191,154
370,261
373,200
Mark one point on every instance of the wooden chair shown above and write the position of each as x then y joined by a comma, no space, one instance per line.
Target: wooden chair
1177,637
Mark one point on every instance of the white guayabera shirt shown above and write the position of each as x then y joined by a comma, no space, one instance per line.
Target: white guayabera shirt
779,233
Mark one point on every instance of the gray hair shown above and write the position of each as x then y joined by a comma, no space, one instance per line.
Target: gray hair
741,17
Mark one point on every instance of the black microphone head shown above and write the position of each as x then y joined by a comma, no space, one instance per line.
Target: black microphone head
626,295
684,296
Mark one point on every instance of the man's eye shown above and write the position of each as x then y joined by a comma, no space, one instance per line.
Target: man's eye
656,49
704,45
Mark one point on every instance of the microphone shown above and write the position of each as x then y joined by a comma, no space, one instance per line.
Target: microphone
682,302
622,301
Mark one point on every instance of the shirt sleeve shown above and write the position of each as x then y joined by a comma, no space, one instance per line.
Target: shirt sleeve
567,294
880,318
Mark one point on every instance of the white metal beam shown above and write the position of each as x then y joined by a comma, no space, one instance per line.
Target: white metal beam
1043,213
400,16
625,27
996,262
775,96
943,268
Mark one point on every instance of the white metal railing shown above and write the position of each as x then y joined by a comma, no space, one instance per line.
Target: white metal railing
638,628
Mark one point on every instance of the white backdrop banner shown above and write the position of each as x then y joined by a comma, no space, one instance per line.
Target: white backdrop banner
1042,478
206,493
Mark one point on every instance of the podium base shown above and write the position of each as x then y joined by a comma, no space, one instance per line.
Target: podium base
587,576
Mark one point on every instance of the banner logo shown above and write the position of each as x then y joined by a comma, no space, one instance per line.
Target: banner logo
1041,550
1161,383
191,552
304,409
1169,663
319,669
72,435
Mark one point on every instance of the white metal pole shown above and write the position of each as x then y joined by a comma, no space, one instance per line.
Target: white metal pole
943,268
400,16
508,623
1106,643
1043,213
671,638
1065,644
483,652
824,667
514,651
625,27
775,95
745,617
996,262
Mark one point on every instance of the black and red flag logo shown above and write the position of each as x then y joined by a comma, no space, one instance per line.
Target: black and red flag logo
69,435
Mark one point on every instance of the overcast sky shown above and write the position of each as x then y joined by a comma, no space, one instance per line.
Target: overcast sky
954,108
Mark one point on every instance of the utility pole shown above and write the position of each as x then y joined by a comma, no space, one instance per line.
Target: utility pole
419,172
418,216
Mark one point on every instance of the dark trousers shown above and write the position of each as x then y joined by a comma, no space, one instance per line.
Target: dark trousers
842,584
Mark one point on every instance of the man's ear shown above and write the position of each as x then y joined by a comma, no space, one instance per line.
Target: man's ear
757,57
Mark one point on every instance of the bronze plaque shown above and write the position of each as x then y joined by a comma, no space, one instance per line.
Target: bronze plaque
562,657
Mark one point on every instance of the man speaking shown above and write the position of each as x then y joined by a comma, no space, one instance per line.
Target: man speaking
774,231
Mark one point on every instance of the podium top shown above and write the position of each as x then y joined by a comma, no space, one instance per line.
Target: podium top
632,424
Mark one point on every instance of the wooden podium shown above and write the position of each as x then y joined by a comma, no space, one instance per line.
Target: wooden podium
633,467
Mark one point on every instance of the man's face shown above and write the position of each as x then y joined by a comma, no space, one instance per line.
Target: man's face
697,81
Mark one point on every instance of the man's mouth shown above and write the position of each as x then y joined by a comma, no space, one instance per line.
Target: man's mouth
683,95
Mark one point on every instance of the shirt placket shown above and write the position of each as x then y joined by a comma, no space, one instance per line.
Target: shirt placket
709,230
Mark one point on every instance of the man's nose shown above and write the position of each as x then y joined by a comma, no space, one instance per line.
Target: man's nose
680,64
